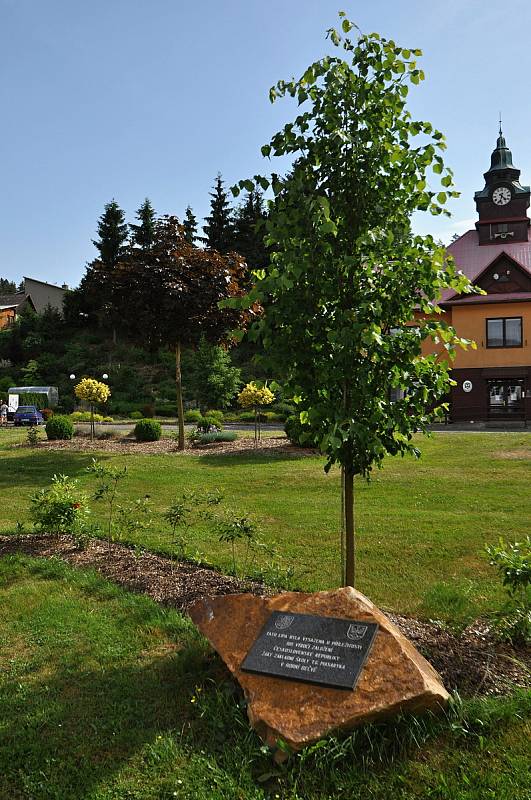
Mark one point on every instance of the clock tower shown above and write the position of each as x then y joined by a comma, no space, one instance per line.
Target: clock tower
503,202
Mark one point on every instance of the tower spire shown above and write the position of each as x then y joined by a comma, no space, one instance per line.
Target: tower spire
501,132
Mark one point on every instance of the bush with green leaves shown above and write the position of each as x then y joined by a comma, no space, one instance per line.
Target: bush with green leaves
193,415
59,427
61,508
136,415
85,416
513,563
123,519
32,436
241,532
189,510
148,430
299,434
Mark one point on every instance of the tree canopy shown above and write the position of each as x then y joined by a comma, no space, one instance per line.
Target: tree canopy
218,226
348,277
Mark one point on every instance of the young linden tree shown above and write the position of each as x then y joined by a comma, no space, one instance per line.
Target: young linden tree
348,276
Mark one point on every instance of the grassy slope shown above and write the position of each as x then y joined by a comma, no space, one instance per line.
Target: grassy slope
106,696
421,524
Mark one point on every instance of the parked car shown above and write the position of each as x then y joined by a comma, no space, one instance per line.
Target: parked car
28,415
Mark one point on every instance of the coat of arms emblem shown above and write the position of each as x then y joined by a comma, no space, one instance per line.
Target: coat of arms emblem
284,621
356,632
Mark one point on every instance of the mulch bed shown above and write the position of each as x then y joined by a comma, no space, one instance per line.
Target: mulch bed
128,446
472,663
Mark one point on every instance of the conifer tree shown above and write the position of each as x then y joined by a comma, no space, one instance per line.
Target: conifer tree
249,230
7,286
143,234
219,223
190,226
112,230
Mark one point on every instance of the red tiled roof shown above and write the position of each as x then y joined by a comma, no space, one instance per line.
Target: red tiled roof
472,258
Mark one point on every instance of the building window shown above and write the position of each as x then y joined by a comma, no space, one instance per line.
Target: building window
504,332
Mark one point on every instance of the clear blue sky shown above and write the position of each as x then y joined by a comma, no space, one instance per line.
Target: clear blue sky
136,98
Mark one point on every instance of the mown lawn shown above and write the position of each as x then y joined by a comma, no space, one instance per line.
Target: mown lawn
106,696
422,525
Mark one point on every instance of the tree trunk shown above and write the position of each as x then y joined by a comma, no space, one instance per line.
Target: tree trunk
91,422
348,525
179,386
347,505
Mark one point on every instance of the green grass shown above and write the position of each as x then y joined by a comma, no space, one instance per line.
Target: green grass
106,696
421,525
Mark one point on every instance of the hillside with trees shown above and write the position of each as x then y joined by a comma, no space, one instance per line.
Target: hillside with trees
97,336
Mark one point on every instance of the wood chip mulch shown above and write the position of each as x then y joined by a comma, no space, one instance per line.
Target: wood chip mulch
276,445
473,662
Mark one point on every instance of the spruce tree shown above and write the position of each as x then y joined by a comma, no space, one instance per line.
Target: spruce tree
112,230
249,231
143,234
219,226
190,226
7,286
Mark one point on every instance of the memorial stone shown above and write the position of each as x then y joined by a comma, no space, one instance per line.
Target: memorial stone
305,647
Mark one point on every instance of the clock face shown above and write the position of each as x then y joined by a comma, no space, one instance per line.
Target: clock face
501,196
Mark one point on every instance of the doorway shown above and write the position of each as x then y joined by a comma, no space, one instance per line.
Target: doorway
506,398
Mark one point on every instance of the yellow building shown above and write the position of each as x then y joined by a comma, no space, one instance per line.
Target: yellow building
494,381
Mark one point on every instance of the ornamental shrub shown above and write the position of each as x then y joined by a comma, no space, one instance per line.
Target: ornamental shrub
85,416
513,563
214,436
92,391
252,396
61,508
251,416
193,415
59,427
299,434
136,415
148,430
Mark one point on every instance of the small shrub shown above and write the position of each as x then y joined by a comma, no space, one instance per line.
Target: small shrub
513,563
194,415
216,416
59,428
32,436
190,510
107,434
84,416
241,531
215,436
47,413
148,430
148,410
299,434
136,415
284,409
166,410
61,508
249,416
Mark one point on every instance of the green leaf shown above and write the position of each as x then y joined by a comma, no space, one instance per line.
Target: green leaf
328,227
